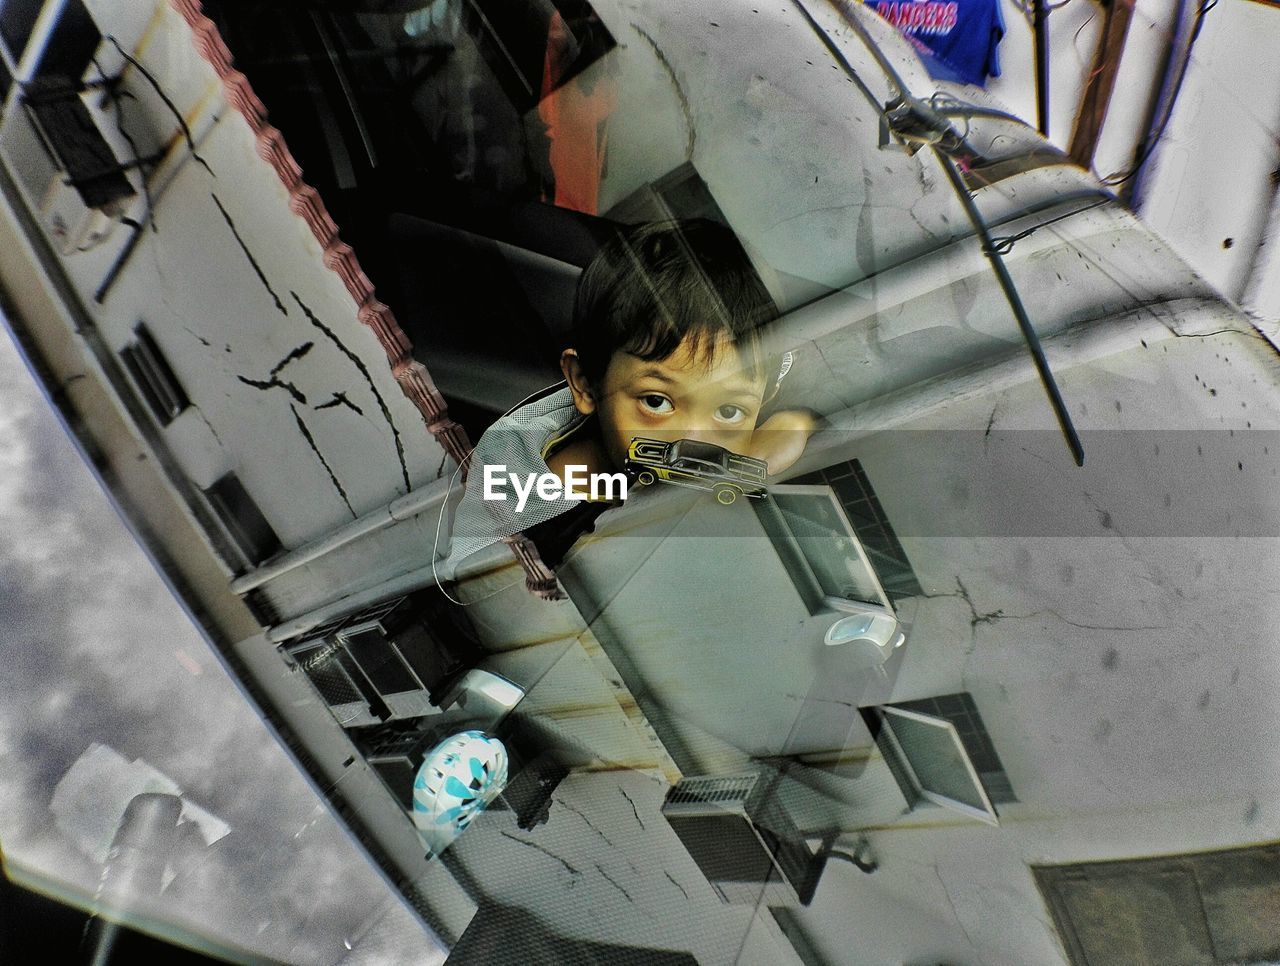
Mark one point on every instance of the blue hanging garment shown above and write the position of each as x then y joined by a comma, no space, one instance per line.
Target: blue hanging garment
958,40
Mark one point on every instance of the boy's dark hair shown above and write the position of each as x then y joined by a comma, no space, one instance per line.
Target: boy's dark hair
652,286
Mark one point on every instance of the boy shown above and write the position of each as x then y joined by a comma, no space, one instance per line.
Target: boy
666,345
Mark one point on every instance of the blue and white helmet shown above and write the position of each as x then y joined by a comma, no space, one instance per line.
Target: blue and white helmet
458,778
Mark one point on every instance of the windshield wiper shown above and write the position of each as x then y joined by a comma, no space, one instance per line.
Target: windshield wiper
916,123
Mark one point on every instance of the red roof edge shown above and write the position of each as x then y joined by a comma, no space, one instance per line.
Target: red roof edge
414,380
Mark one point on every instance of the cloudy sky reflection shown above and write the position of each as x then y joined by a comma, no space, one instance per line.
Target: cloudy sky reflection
96,649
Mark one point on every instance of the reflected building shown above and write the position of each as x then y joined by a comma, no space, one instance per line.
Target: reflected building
985,677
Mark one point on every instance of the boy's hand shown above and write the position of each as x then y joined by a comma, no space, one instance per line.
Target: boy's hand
781,440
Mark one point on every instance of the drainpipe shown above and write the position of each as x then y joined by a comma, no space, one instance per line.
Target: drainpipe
1096,98
1175,70
134,870
1040,23
418,501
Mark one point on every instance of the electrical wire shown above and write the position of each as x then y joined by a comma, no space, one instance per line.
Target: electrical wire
1153,138
435,548
1003,244
1027,7
909,107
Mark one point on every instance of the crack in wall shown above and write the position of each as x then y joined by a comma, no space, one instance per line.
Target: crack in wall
634,810
306,434
274,383
293,355
691,134
205,419
545,851
600,832
951,902
1087,627
1153,574
248,254
613,882
590,824
173,108
682,889
355,359
340,399
199,338
990,617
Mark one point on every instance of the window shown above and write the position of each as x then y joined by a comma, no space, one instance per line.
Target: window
853,490
961,711
818,546
248,529
153,377
939,751
1207,907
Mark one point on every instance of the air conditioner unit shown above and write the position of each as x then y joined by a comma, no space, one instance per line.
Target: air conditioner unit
398,660
743,839
376,653
88,193
337,680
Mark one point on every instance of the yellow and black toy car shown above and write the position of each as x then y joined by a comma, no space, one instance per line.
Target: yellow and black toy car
702,466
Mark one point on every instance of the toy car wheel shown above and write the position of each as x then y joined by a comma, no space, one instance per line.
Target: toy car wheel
726,495
645,478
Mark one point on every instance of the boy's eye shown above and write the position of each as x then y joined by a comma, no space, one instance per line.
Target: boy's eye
730,413
653,403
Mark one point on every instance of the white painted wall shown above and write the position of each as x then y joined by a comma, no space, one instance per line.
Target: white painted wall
1210,193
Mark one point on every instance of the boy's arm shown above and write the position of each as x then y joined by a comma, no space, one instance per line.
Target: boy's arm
781,439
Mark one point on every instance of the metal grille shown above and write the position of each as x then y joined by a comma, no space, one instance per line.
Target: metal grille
712,790
322,666
742,839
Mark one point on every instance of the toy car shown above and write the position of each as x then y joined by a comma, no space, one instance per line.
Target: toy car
701,466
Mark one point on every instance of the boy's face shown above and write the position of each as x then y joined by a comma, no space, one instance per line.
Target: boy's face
707,396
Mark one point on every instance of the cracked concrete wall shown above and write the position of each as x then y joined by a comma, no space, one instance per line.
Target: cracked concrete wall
1098,653
288,389
1113,623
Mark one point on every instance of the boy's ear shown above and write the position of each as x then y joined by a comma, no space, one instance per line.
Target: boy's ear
584,399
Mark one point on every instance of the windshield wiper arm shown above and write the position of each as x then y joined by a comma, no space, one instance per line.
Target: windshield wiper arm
915,122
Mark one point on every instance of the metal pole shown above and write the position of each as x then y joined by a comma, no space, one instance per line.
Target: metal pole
1015,303
1040,24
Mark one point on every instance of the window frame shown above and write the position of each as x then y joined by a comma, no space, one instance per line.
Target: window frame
989,816
153,377
252,551
797,562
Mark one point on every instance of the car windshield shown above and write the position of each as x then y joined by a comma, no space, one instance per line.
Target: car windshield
692,450
336,294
